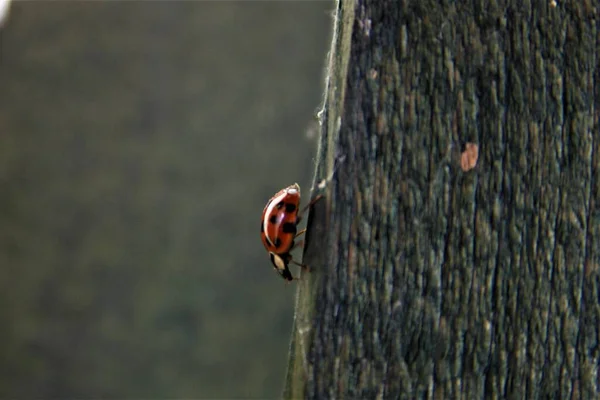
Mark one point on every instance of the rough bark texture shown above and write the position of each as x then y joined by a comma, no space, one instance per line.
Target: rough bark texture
431,281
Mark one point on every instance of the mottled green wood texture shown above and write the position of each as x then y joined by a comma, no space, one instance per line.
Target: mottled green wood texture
431,281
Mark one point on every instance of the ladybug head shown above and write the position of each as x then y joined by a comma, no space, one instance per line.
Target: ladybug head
281,265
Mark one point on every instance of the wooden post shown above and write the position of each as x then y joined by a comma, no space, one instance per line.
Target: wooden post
433,279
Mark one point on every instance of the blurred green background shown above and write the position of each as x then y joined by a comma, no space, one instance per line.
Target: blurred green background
139,143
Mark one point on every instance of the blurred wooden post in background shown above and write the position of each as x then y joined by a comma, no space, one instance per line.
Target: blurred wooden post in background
429,279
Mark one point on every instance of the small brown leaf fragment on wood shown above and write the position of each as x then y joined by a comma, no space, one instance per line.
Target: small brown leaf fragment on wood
468,158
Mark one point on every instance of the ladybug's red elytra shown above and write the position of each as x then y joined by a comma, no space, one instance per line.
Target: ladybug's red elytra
280,219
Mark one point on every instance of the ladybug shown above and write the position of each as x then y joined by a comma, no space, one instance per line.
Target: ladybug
278,227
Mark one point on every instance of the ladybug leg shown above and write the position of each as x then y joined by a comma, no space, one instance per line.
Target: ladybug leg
297,244
300,233
304,266
309,205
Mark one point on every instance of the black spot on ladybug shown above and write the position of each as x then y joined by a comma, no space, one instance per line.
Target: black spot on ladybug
289,227
273,219
262,227
277,242
279,205
290,207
